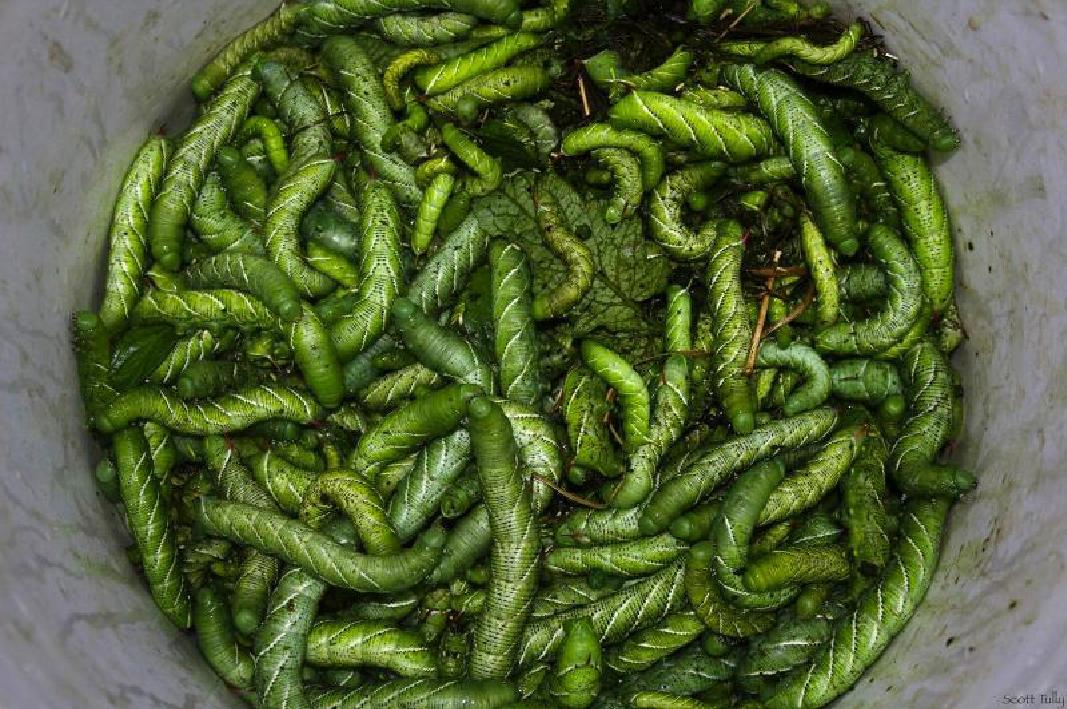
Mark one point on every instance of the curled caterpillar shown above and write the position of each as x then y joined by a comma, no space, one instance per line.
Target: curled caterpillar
488,171
247,190
218,226
607,72
799,48
217,639
562,241
268,132
665,212
435,80
575,682
625,171
803,359
351,492
433,477
602,135
633,394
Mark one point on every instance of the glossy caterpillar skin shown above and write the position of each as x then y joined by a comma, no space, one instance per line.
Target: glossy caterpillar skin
626,175
614,617
822,270
514,83
364,97
217,640
253,274
879,80
601,135
865,380
488,171
586,411
189,165
446,273
514,333
230,412
128,237
640,557
218,226
188,352
606,70
803,49
425,30
817,382
263,35
732,329
281,638
864,507
399,387
247,190
781,568
671,408
353,494
195,310
925,219
148,519
646,647
735,137
902,306
434,200
681,492
436,470
575,682
796,122
860,637
708,604
380,273
299,545
438,79
268,132
928,385
440,349
420,693
516,541
633,394
369,643
570,249
665,212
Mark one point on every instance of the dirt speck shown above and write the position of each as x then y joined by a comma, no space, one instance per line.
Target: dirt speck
59,57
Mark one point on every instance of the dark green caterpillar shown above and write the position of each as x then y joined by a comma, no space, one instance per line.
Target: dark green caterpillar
601,135
781,568
865,380
425,30
440,349
665,212
585,411
353,494
646,647
625,560
436,470
217,640
218,226
421,694
281,639
625,171
369,643
708,604
246,189
607,72
515,83
631,389
864,507
817,382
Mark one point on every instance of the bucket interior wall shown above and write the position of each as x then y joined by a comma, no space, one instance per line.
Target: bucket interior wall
82,83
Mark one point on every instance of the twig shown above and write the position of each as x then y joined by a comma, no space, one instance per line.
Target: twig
751,6
764,306
809,298
568,494
779,271
586,111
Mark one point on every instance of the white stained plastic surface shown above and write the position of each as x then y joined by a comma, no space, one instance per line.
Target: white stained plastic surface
82,82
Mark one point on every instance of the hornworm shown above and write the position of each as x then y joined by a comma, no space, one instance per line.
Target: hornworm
268,132
625,170
864,504
625,560
602,135
446,273
488,171
353,494
217,640
586,410
515,83
436,470
575,683
369,643
218,226
421,692
399,387
646,647
425,30
438,79
822,269
605,69
92,353
566,245
515,337
440,349
817,382
434,200
247,190
665,212
865,380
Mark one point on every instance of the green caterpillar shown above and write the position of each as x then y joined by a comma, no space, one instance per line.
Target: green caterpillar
514,334
425,30
801,48
646,647
299,545
861,282
926,222
606,71
690,671
195,310
626,560
877,78
445,274
440,349
626,175
263,35
633,394
333,265
230,412
217,640
805,360
253,274
928,384
902,306
613,617
435,80
315,356
539,122
586,410
394,74
822,270
883,610
665,212
781,568
189,165
461,497
488,170
863,505
270,134
567,593
601,135
187,353
732,329
218,226
128,236
380,273
575,682
684,490
92,353
865,380
434,200
695,525
735,137
280,639
399,387
708,604
360,502
435,474
369,643
862,168
364,96
784,647
149,522
247,190
421,693
671,407
516,543
796,121
515,83
407,429
570,249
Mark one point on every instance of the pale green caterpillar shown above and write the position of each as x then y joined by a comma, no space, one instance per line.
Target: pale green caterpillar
425,30
422,693
902,306
230,412
625,560
434,200
665,212
353,494
446,273
217,640
925,219
435,80
865,380
380,272
796,121
607,72
333,265
399,387
633,394
281,637
299,545
189,165
246,189
128,237
766,171
435,474
684,490
488,171
784,647
570,249
394,74
625,170
646,647
195,310
567,593
863,505
822,270
461,497
708,604
817,381
585,412
515,83
270,134
364,96
861,636
187,353
218,226
799,47
149,521
440,349
732,329
575,681
735,137
695,525
602,135
514,334
516,542
928,385
781,568
369,643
